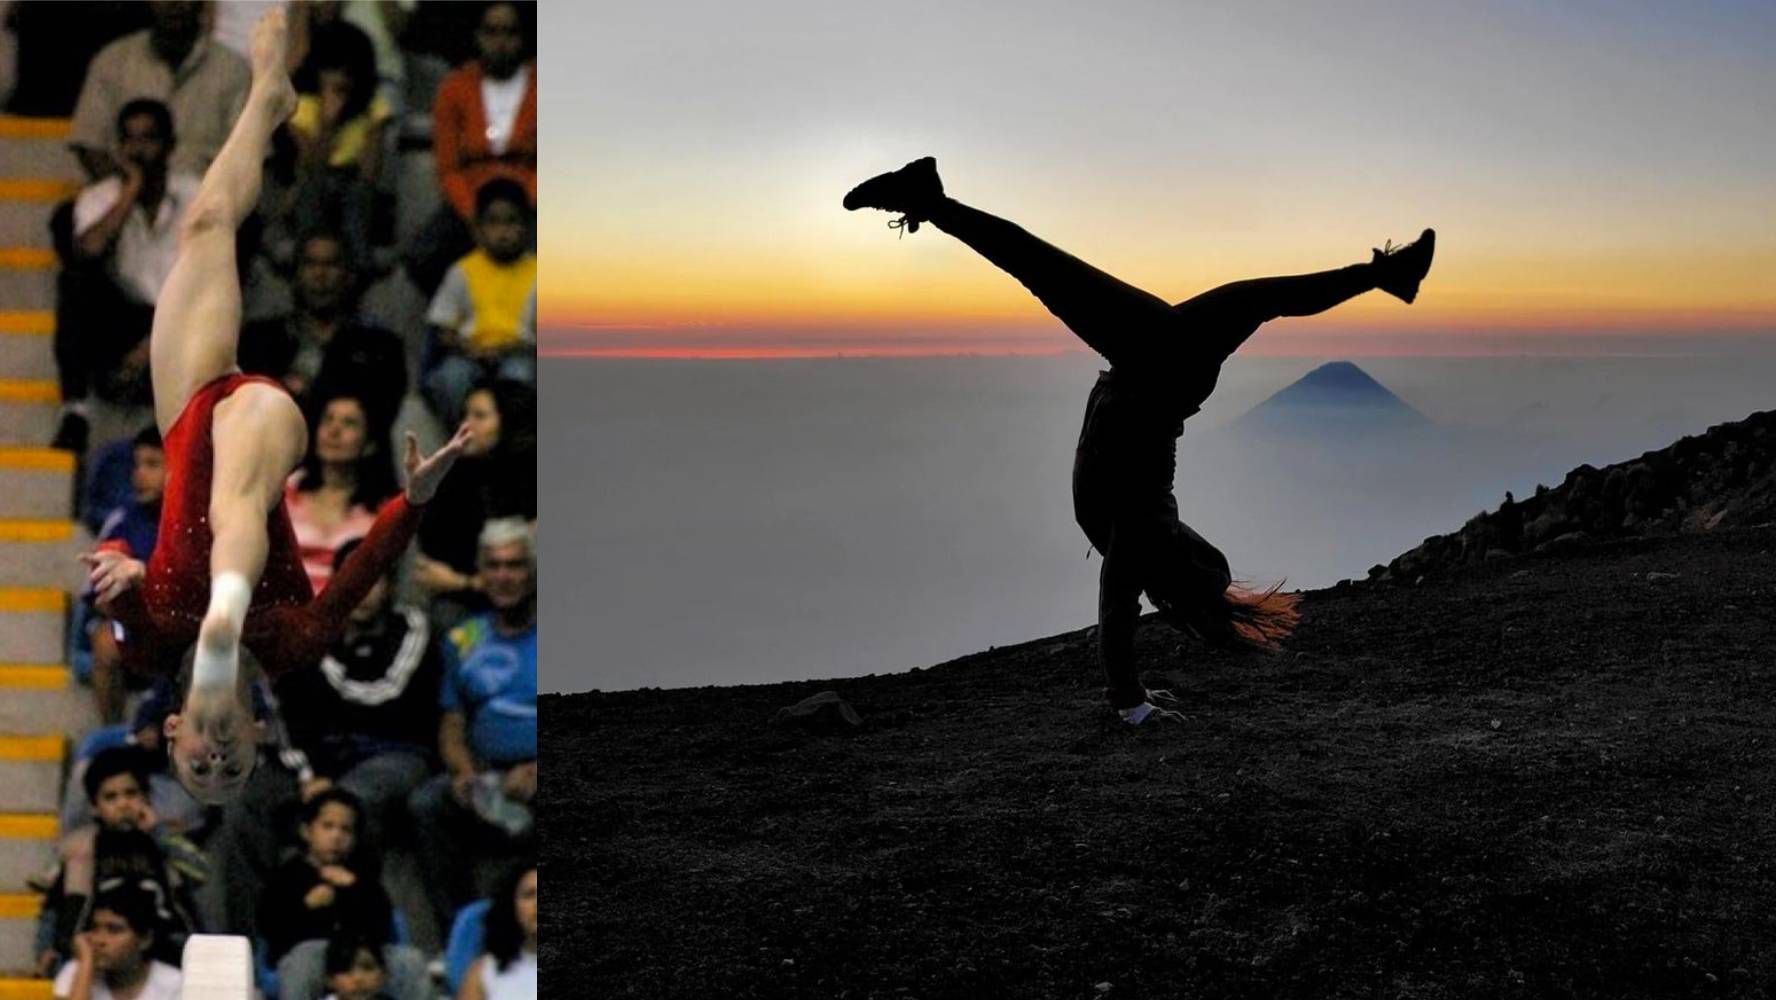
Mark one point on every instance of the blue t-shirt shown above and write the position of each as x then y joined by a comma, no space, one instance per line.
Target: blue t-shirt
492,679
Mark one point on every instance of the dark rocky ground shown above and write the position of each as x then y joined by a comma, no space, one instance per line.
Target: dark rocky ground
1724,477
1542,775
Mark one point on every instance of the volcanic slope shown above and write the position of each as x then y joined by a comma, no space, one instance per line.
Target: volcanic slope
1542,775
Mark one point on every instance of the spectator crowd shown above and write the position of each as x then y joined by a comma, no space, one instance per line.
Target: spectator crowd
385,845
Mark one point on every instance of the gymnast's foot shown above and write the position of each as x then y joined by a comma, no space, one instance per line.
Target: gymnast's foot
911,191
1400,269
271,74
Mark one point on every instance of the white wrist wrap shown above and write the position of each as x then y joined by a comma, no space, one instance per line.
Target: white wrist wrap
229,596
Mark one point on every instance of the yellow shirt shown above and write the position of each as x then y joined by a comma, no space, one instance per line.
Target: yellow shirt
501,301
349,139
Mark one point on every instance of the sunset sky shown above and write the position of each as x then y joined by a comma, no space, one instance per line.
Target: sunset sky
1595,171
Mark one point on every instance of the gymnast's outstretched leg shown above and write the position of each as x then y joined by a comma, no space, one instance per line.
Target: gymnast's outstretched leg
1114,318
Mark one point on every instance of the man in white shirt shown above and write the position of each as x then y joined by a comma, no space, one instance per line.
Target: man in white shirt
124,241
111,957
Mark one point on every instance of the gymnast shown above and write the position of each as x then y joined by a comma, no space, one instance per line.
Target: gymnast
224,597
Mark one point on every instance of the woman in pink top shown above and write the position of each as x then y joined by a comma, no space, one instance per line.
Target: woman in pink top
333,497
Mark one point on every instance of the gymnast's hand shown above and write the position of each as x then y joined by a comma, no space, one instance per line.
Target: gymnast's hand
424,475
111,573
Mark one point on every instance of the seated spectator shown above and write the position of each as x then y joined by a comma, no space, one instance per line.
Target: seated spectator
333,496
117,848
328,887
111,957
487,735
483,319
337,129
125,236
331,889
173,62
355,970
508,971
368,717
324,340
496,477
180,815
132,528
484,126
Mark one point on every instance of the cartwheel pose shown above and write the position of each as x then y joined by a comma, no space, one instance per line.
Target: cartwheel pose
1164,362
225,591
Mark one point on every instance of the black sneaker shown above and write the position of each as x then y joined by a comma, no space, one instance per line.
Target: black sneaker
1402,268
71,434
911,191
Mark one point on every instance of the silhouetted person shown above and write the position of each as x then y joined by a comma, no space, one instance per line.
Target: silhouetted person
1164,361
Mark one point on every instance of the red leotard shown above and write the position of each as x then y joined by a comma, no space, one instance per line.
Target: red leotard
287,626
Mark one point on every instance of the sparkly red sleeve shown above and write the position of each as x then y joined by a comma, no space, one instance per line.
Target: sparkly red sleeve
306,631
370,561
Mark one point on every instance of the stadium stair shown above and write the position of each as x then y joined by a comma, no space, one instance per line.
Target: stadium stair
42,709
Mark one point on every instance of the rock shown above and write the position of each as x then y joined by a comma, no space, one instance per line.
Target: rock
823,713
1563,543
1102,988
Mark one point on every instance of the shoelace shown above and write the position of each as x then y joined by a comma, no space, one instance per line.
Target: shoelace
906,224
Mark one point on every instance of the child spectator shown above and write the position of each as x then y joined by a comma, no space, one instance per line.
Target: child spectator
346,475
496,477
483,319
508,971
484,126
355,970
131,527
327,887
114,848
111,957
329,890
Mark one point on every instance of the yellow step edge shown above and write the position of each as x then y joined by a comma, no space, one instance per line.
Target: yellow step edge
17,127
15,988
29,826
33,677
29,390
27,321
36,459
32,748
36,189
20,905
25,530
27,258
30,600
